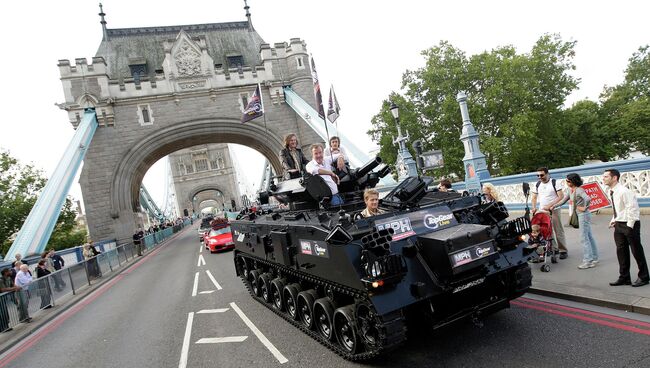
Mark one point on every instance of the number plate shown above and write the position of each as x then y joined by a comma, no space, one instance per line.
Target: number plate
471,254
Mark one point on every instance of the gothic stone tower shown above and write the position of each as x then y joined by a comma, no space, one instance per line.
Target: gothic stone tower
157,90
203,173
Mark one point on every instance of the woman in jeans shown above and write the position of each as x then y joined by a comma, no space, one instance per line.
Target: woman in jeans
581,201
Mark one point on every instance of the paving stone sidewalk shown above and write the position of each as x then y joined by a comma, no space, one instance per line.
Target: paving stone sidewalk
566,281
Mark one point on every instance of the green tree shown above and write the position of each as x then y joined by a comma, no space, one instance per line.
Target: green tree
625,108
515,103
19,189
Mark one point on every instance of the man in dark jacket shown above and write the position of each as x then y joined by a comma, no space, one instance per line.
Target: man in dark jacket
58,263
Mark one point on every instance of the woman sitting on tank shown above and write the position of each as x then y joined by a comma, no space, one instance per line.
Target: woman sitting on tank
338,156
371,197
293,161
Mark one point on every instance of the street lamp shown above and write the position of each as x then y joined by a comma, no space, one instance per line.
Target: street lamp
394,109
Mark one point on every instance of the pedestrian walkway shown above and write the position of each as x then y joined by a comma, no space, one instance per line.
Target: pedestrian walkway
592,285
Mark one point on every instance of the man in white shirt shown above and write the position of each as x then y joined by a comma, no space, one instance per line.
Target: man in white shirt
549,194
627,230
320,165
23,280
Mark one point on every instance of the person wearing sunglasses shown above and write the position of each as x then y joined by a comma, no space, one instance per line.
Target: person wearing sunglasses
549,195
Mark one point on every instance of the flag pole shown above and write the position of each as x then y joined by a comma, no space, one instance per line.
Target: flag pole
263,111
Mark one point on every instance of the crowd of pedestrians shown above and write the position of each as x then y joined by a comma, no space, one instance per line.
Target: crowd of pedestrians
548,195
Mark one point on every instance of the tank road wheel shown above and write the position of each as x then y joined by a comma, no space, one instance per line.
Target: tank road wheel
306,307
277,286
291,299
368,329
345,329
243,266
253,276
264,284
324,317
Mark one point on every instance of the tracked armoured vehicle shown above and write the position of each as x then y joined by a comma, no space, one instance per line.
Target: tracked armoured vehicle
352,283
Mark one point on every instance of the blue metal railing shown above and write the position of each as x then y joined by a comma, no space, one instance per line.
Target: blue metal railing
37,229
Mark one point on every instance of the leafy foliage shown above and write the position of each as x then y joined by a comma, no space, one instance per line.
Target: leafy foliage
516,104
19,189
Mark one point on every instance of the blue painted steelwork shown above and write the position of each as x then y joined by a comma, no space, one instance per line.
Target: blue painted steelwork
149,205
310,116
37,229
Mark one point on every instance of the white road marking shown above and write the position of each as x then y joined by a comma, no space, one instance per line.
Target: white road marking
218,340
196,284
205,311
201,248
216,284
201,260
186,341
206,292
276,353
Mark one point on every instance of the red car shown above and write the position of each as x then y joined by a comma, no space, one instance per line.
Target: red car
219,239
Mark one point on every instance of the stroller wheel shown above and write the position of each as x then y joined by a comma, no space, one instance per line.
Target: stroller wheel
545,268
553,259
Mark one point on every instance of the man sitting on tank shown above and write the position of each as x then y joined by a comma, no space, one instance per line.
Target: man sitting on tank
338,156
320,165
371,197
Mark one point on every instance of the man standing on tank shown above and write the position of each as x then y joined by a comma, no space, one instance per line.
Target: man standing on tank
549,194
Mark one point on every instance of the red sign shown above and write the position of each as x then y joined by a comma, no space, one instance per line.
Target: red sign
598,198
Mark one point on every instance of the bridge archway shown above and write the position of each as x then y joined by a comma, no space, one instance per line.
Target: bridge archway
209,193
133,165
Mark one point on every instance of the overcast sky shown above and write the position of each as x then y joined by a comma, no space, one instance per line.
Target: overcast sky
362,47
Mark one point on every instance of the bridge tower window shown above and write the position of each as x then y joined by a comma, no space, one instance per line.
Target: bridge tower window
201,164
145,116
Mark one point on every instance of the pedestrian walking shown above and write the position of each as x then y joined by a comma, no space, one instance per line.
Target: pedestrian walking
549,194
581,201
138,238
58,263
89,254
43,284
6,286
23,281
627,230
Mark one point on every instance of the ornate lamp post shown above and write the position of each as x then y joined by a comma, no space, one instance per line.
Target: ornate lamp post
405,163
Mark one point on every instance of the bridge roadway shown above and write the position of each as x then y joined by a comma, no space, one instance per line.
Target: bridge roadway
140,319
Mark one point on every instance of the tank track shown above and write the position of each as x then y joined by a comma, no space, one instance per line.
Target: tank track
391,327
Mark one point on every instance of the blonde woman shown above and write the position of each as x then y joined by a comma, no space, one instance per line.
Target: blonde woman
490,192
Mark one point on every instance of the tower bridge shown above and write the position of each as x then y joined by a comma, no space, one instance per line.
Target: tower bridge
158,90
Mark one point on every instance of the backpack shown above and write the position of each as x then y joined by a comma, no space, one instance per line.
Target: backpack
552,183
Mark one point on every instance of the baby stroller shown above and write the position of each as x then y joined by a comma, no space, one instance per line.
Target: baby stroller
545,242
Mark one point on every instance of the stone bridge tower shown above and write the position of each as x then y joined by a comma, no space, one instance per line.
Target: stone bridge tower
157,90
204,173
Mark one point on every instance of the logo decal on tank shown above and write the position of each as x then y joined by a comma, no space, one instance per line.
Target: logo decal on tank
402,228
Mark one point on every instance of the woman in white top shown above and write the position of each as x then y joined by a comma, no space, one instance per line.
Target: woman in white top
337,155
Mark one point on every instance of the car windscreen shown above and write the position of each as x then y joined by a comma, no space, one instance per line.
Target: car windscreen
223,230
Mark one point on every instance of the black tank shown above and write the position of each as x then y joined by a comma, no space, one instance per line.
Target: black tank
352,283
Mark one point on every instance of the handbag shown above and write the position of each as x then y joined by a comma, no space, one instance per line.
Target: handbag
574,219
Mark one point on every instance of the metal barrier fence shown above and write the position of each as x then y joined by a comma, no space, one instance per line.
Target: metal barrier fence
43,293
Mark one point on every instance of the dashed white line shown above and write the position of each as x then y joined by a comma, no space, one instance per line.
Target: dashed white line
218,340
206,292
201,248
276,353
205,311
186,341
196,284
201,260
216,284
